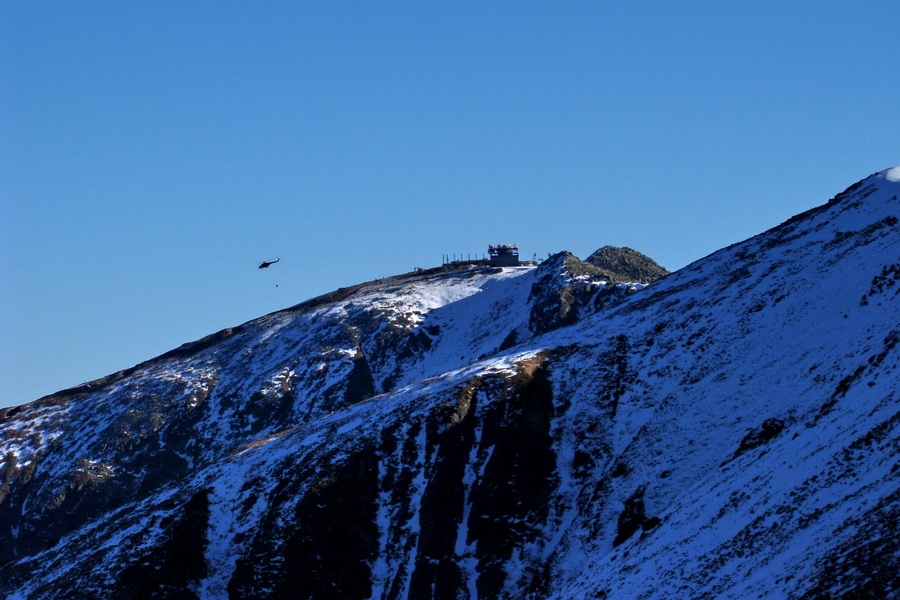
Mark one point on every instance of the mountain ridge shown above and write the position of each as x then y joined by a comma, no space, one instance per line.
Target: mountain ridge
498,434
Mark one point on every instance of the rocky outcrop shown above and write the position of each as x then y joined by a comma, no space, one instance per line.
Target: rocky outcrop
566,289
175,566
325,546
625,265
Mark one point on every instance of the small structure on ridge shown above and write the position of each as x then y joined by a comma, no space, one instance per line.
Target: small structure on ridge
501,255
504,255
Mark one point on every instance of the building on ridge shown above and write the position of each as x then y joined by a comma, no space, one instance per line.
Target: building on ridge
501,255
504,255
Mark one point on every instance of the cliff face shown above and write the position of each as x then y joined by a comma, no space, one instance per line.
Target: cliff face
550,432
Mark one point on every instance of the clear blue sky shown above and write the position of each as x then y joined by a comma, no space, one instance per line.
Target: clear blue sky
152,153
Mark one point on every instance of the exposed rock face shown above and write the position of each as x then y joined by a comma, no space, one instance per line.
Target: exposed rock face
175,566
324,548
566,288
556,432
626,265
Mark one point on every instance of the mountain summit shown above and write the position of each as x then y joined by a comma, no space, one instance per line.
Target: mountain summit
626,264
579,429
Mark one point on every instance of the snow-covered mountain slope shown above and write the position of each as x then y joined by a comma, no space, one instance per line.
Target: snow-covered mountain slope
729,431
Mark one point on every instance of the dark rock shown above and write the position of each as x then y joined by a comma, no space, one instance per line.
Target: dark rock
509,341
330,542
360,383
511,503
173,568
626,265
508,503
559,298
761,435
632,518
453,435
